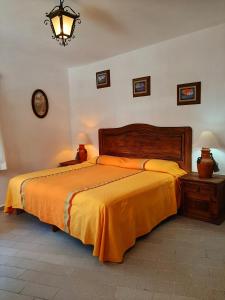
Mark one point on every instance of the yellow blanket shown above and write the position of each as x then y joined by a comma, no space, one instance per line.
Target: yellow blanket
102,205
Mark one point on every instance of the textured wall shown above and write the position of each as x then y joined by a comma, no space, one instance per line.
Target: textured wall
194,57
32,143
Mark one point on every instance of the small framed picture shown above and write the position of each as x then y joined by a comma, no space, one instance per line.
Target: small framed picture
141,86
189,93
103,79
39,103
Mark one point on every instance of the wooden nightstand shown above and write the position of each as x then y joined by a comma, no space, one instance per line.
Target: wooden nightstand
69,163
203,199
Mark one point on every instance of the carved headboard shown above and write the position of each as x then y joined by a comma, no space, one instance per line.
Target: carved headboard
147,141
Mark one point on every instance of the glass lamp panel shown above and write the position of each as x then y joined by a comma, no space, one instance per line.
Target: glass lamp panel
56,25
67,26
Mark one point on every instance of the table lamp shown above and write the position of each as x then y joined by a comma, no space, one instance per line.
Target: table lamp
81,151
206,163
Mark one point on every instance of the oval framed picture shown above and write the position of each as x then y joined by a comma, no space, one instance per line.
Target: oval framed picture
39,103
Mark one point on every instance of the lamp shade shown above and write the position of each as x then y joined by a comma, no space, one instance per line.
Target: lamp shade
208,139
83,138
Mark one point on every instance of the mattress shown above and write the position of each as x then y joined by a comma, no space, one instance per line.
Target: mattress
100,202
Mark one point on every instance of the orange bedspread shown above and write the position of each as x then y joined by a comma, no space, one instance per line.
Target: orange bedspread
102,205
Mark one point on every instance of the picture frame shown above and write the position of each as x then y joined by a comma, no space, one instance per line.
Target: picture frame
39,103
103,79
189,93
142,86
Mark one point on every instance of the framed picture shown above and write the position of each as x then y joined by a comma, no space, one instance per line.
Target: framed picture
189,93
141,86
39,103
103,79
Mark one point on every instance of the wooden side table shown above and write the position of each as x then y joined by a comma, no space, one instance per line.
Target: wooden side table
69,163
203,199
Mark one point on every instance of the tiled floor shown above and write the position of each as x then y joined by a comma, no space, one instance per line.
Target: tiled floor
182,259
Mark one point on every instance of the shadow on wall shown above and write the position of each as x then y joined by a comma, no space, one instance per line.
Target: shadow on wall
6,127
101,17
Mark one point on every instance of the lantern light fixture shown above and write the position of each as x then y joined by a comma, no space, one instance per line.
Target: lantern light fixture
62,20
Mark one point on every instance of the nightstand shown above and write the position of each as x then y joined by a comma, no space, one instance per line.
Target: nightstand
203,199
69,163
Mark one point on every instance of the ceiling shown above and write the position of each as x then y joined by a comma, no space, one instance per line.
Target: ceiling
108,28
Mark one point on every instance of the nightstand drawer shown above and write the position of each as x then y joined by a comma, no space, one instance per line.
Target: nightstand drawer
207,189
203,198
191,187
200,189
197,208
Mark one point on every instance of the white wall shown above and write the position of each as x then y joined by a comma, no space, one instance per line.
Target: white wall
32,143
2,153
195,57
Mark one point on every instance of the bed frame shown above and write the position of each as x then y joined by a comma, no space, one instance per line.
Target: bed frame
147,141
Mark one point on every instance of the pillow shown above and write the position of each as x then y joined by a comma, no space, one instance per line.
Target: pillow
123,162
164,166
93,160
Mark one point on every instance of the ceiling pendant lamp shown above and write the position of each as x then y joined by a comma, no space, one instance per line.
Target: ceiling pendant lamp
62,20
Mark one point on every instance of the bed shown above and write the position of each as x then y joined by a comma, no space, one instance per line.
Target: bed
111,200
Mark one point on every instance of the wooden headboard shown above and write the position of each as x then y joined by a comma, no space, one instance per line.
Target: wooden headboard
147,141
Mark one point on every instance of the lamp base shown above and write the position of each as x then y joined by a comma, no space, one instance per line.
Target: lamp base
205,164
81,153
